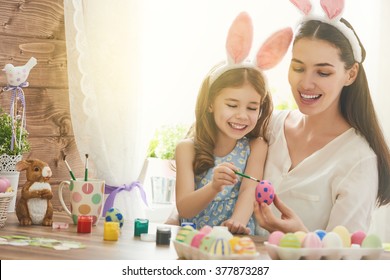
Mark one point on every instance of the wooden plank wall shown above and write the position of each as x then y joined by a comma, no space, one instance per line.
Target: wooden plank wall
36,28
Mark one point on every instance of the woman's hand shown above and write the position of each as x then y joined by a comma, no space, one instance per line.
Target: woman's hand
223,176
288,222
236,227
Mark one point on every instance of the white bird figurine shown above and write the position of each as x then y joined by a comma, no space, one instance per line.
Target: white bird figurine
16,75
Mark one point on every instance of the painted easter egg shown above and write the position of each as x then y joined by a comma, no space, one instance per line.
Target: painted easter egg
290,240
344,234
372,241
114,215
357,237
206,243
332,240
311,240
197,239
274,237
220,247
183,232
4,184
321,233
265,192
245,246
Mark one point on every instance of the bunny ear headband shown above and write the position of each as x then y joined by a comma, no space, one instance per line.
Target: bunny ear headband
239,42
333,10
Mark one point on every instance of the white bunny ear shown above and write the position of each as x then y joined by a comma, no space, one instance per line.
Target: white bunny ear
239,38
274,48
332,8
303,5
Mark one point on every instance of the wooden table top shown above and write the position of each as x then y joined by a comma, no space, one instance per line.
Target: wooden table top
127,247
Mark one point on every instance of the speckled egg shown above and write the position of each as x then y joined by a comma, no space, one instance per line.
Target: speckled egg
206,243
357,237
372,241
311,240
265,192
274,237
183,232
332,240
344,234
220,247
290,240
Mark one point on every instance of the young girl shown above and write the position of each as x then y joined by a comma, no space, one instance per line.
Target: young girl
232,112
328,161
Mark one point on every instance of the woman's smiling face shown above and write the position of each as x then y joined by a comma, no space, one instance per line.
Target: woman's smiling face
317,76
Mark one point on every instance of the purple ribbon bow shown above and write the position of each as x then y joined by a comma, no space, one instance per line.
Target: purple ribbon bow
114,190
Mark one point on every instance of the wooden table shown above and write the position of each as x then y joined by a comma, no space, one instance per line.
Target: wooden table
126,248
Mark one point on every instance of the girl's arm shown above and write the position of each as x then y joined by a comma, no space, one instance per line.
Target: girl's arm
244,206
188,201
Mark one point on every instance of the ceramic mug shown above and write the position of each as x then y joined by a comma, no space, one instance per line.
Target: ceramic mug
86,198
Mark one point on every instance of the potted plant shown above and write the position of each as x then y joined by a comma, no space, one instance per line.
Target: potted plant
9,156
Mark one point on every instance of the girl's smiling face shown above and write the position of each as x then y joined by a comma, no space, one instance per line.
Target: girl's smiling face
317,76
236,111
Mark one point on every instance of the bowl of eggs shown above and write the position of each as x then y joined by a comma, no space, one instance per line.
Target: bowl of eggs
338,244
213,243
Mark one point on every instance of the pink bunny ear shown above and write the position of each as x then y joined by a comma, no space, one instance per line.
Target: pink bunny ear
332,8
239,38
303,5
274,48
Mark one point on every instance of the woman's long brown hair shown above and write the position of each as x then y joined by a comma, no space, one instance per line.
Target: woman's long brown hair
355,101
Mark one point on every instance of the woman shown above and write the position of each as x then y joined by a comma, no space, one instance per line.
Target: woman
328,161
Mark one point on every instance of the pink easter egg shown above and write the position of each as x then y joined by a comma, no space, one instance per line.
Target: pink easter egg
4,184
274,237
312,240
357,237
265,192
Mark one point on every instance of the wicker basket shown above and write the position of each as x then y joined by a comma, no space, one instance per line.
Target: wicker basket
5,199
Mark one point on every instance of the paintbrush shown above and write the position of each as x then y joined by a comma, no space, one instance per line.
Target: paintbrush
246,176
70,170
86,168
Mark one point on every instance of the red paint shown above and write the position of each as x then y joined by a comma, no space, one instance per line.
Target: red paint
84,224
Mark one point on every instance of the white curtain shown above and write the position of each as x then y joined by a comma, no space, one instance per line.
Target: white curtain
106,101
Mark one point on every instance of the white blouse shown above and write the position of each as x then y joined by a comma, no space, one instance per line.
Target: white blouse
336,185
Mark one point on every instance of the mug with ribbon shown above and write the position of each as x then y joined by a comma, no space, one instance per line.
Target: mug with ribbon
86,198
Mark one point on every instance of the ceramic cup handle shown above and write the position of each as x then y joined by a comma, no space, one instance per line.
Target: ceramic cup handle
60,188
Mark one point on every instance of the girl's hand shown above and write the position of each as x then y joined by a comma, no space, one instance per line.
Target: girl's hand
223,176
288,222
236,227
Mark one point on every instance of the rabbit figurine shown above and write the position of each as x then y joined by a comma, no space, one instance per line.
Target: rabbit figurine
34,206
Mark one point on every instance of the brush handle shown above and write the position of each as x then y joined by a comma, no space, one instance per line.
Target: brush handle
246,176
72,175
